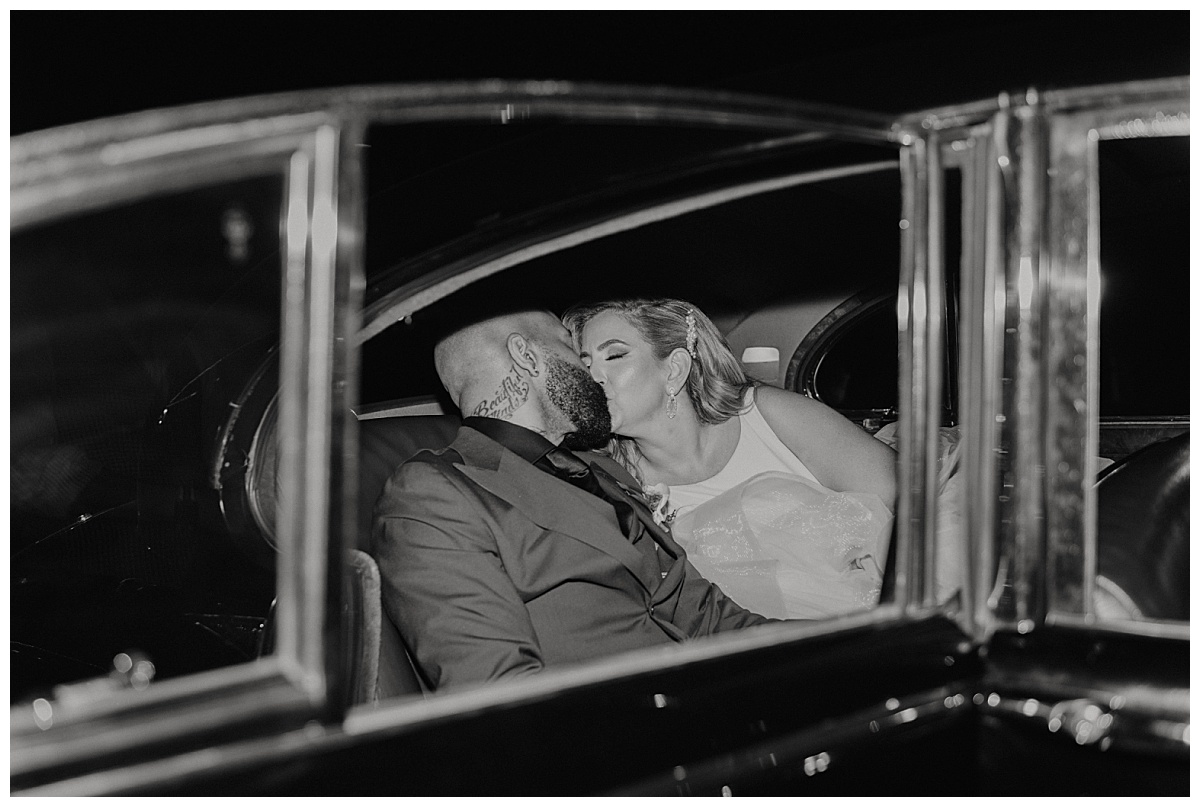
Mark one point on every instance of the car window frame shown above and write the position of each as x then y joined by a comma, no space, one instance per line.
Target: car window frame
81,169
1028,174
1078,123
912,600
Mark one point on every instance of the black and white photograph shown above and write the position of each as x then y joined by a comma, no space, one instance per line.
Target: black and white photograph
585,402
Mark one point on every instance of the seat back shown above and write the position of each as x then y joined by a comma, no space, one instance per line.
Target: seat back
1144,530
384,444
362,623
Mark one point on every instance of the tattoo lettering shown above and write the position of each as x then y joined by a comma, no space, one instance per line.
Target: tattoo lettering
510,396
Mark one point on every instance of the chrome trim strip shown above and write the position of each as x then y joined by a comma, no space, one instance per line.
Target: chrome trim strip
495,100
1071,349
1100,96
1027,288
132,718
306,406
350,282
968,151
933,285
1158,629
1127,93
290,586
910,319
61,185
982,360
177,769
920,311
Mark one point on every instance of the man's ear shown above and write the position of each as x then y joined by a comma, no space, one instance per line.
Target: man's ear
524,354
679,364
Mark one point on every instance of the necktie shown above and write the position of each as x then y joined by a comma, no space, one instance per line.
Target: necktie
567,466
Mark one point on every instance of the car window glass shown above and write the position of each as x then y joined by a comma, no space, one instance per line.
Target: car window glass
1143,539
124,323
1144,302
766,268
456,179
860,371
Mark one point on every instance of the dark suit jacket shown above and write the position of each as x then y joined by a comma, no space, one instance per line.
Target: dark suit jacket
492,568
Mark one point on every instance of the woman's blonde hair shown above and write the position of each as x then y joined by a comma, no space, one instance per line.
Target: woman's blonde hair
716,384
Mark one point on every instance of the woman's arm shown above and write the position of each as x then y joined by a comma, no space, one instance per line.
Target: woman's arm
841,455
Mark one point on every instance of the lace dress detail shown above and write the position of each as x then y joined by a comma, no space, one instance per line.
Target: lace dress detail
784,546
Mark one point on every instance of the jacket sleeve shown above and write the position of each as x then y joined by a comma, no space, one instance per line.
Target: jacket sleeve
704,609
444,585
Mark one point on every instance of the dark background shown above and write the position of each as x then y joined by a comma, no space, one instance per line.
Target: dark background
68,66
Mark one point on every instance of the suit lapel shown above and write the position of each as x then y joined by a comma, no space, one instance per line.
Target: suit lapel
550,502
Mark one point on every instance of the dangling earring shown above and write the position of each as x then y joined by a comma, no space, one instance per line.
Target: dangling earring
672,404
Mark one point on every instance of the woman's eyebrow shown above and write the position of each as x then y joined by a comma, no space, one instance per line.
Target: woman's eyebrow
584,354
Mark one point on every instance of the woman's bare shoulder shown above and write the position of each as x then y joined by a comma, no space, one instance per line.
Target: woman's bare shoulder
773,401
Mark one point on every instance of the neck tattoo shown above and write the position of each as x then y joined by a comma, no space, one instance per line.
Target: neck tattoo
510,396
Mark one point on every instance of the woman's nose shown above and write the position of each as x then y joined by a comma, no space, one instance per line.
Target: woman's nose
596,375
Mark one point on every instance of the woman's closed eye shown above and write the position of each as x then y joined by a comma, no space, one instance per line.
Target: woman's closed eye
612,356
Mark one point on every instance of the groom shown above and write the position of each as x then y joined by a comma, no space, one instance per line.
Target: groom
504,553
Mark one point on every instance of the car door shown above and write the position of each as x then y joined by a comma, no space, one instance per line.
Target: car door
154,262
853,704
1082,590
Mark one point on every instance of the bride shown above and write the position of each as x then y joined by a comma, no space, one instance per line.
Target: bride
777,498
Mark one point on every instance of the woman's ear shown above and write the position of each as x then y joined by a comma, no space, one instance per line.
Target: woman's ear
679,364
524,354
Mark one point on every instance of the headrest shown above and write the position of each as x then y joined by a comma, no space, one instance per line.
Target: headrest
386,443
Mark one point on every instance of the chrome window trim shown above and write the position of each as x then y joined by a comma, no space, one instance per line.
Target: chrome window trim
971,151
1022,511
494,100
45,186
1166,629
1034,189
918,315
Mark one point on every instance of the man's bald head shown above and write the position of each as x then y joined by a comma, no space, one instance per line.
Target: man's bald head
473,362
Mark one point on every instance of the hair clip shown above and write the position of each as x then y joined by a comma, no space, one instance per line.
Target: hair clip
691,334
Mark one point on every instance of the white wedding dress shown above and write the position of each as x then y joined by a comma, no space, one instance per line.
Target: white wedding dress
784,546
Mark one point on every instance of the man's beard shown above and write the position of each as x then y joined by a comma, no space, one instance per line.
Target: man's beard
573,392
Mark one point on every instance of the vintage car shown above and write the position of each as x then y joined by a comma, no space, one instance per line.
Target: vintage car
222,327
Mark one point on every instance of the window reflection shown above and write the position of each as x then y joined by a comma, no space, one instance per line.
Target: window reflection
132,329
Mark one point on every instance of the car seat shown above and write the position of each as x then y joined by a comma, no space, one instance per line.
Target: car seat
376,666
